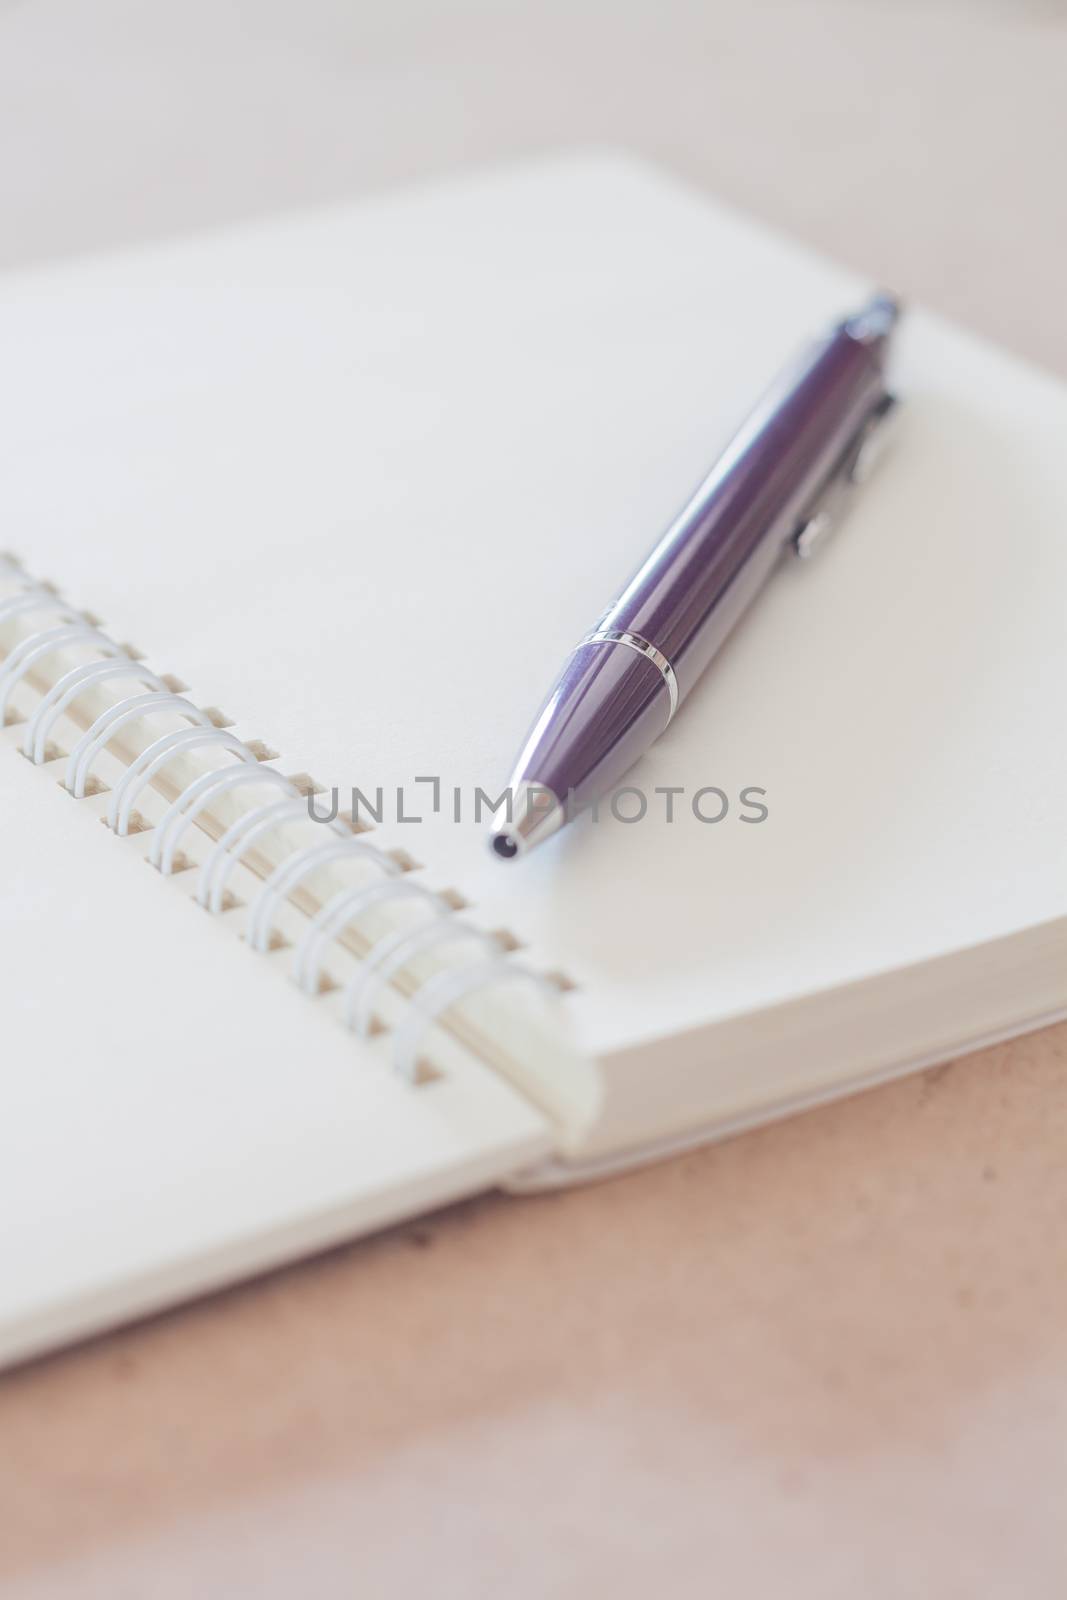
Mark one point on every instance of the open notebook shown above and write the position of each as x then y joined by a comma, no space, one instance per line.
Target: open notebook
325,471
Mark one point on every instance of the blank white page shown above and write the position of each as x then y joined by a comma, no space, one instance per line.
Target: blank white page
364,476
174,1113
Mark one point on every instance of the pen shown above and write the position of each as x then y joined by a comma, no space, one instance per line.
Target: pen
777,488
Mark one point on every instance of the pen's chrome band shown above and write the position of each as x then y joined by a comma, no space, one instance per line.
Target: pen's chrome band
634,641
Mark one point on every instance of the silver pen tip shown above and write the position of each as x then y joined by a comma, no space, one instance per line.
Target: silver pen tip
535,814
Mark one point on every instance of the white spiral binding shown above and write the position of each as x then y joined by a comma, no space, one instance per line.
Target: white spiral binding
438,994
37,599
386,958
339,913
72,684
195,798
37,645
289,876
108,723
239,837
394,952
143,769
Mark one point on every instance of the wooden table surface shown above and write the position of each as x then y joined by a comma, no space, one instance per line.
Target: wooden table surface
826,1359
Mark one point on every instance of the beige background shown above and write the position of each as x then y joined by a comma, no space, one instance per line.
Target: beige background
827,1359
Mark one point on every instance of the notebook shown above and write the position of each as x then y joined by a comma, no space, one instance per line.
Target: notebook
303,517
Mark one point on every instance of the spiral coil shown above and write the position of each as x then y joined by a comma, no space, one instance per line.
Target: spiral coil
32,651
341,912
196,797
67,689
393,953
387,959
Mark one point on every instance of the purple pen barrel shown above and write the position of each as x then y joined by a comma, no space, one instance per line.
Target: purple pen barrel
619,689
608,705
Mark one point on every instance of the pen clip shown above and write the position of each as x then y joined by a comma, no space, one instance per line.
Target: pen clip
858,461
